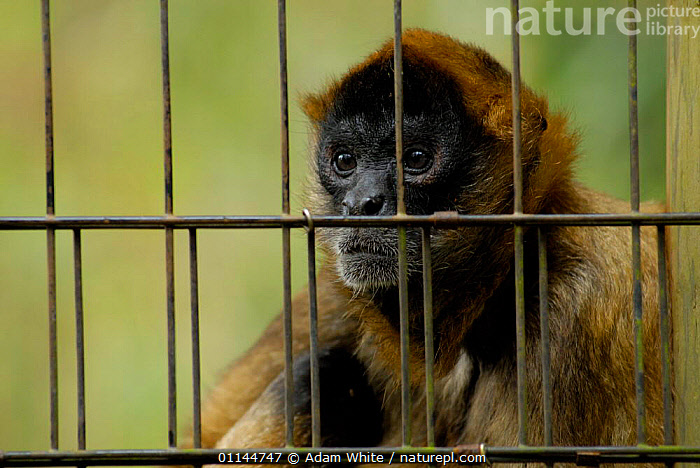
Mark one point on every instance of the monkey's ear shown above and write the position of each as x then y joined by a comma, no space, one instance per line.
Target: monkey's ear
499,117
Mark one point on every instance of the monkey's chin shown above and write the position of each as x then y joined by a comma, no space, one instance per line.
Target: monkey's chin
362,271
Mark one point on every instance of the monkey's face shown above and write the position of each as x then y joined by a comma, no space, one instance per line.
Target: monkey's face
356,164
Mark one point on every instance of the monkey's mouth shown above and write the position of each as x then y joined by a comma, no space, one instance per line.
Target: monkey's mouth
367,242
367,260
370,250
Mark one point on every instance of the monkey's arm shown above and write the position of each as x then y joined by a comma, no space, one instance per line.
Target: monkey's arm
350,413
247,378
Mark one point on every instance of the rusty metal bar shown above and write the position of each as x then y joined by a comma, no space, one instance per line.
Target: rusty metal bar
518,230
169,261
429,338
50,232
636,454
53,339
288,352
398,107
313,333
196,366
636,247
271,222
665,327
167,122
48,104
170,292
401,211
517,117
79,335
520,334
284,101
286,249
544,335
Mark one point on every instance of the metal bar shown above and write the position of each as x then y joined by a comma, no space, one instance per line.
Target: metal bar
520,334
518,231
167,124
636,248
196,367
429,341
544,335
271,222
286,249
398,108
636,454
170,293
404,341
400,211
288,351
313,334
50,232
517,117
169,261
665,327
79,335
48,104
53,339
284,101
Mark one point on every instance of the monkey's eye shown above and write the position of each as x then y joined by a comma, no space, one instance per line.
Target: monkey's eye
344,163
417,161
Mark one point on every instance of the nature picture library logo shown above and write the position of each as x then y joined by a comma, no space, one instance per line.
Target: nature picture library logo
654,21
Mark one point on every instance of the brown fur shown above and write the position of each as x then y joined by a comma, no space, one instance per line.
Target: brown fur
590,295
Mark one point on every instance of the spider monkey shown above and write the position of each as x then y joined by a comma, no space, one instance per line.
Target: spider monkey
458,157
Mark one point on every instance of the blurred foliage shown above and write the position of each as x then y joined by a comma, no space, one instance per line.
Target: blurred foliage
225,91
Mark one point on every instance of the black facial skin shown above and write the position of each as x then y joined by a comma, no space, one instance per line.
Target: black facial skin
357,163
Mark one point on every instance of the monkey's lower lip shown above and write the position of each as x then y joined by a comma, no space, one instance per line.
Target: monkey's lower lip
365,251
364,244
367,269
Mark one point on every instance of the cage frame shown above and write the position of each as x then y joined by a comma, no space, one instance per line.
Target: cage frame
285,222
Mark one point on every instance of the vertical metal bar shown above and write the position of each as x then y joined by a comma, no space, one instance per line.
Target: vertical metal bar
429,344
53,339
633,117
79,335
636,249
288,352
313,334
518,231
50,211
517,117
520,336
169,262
167,125
48,104
170,291
398,107
664,324
286,253
401,210
196,375
544,335
284,101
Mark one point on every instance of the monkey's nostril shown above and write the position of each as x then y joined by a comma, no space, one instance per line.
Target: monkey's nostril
372,205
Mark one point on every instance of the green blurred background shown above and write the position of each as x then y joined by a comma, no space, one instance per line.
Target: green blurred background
225,91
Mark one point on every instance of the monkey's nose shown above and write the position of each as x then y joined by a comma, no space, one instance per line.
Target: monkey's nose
372,205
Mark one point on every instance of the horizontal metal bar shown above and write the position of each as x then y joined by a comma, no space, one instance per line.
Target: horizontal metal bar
436,220
493,454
